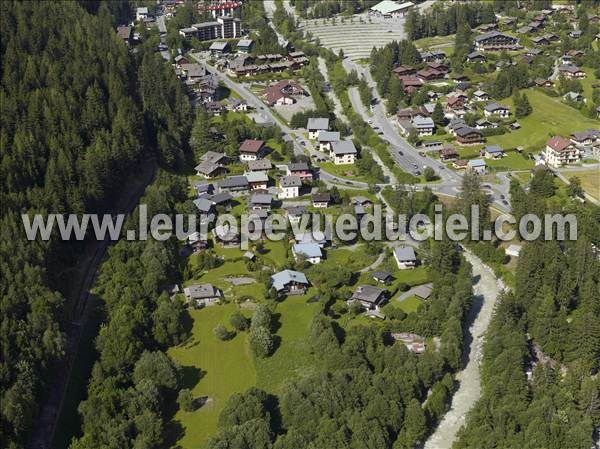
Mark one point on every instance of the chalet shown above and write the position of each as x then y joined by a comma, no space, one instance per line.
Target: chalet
288,282
424,125
234,185
213,108
283,92
343,152
571,71
560,151
204,204
363,201
405,257
193,72
429,74
448,153
494,40
260,201
260,165
551,37
219,48
203,294
460,164
476,56
585,137
411,83
314,125
427,109
251,150
440,67
212,164
203,187
480,95
289,187
540,40
245,45
433,56
575,34
257,180
295,213
466,135
196,242
125,33
524,30
404,71
407,114
325,138
488,27
574,97
369,297
222,199
493,152
311,252
299,169
383,277
321,200
485,124
496,109
541,82
455,103
226,236
238,105
575,54
477,166
536,25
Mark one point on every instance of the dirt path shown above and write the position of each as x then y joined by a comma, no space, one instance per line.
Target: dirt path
486,288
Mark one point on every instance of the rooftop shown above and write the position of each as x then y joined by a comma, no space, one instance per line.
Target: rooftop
343,147
317,124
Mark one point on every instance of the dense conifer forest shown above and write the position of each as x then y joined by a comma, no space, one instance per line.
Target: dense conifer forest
79,114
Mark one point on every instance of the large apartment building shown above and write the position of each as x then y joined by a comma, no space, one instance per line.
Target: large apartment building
225,27
561,151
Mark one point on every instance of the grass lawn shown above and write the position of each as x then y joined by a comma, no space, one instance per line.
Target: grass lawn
590,181
413,277
409,305
226,368
512,161
549,117
292,357
344,171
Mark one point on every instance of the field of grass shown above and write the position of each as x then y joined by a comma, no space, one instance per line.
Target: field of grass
292,357
409,305
549,117
213,368
590,181
512,161
345,171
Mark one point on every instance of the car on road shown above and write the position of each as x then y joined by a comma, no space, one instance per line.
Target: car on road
417,173
505,202
400,153
369,122
380,132
421,153
303,143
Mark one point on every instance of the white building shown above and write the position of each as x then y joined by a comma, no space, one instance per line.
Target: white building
405,257
290,187
391,9
311,252
141,13
325,138
561,151
343,152
315,125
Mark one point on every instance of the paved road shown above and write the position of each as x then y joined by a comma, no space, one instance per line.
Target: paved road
404,153
486,289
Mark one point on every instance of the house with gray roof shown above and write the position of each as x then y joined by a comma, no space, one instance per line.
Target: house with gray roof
235,185
369,297
257,180
315,125
260,201
202,294
289,282
343,152
219,47
260,165
494,152
405,257
311,252
325,138
204,205
289,186
423,125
